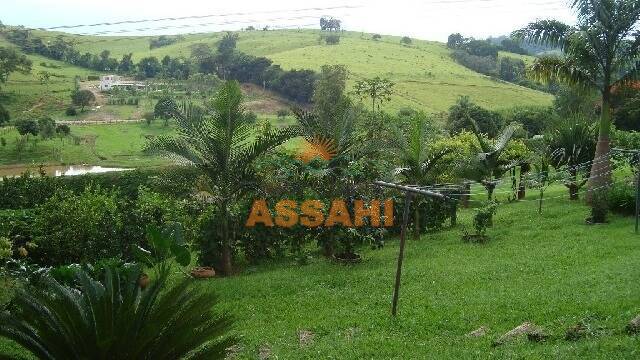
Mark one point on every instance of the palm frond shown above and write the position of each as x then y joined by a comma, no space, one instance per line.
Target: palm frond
545,32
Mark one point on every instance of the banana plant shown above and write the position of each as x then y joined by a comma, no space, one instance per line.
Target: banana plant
165,244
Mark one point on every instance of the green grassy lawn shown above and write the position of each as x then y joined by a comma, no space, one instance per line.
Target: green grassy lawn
552,270
116,145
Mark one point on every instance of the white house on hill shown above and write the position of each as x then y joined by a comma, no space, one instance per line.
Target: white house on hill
109,82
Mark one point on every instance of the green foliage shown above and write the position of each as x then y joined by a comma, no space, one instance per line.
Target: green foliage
27,127
115,318
216,141
406,40
486,65
4,116
71,111
331,39
47,127
12,61
149,67
80,228
82,98
376,37
378,89
63,130
488,122
5,249
510,69
329,98
165,108
166,244
622,198
483,219
535,120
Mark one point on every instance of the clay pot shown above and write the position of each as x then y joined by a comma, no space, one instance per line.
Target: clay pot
143,281
203,272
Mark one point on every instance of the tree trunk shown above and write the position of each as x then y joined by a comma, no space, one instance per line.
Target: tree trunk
573,184
227,267
540,204
416,221
601,167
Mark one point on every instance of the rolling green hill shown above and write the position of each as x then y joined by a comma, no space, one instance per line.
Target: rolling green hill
425,75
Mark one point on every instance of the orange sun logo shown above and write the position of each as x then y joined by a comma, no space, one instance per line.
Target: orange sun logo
318,147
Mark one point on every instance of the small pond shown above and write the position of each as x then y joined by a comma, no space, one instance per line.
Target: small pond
68,170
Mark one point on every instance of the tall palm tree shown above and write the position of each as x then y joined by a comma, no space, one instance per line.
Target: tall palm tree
416,160
222,142
601,52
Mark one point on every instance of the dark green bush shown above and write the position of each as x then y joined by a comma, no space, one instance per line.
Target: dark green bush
93,77
622,198
71,111
70,228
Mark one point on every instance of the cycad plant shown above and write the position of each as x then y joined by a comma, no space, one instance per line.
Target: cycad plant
223,143
574,143
417,161
116,319
488,166
600,52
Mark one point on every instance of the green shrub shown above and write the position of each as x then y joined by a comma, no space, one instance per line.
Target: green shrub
80,228
93,77
114,318
599,208
71,111
3,142
483,218
5,248
622,198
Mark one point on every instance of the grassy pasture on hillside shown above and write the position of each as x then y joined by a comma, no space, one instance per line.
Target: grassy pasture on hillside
427,77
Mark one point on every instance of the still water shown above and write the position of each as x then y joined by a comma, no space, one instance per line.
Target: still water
70,170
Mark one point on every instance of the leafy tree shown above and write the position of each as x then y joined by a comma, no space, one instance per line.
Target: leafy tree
510,69
486,65
513,46
488,122
376,37
481,48
570,101
221,144
600,53
47,127
224,56
331,39
63,130
4,116
164,109
82,98
330,23
416,159
329,98
406,40
27,127
204,58
126,65
534,119
116,319
455,41
149,67
11,61
377,89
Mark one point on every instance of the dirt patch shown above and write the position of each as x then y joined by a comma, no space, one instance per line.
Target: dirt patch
261,101
94,87
305,337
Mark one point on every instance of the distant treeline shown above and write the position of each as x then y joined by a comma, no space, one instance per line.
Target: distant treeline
482,56
223,60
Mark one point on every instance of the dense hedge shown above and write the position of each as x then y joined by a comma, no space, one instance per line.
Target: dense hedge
27,192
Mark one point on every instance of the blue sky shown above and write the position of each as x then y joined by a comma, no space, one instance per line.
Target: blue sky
427,19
